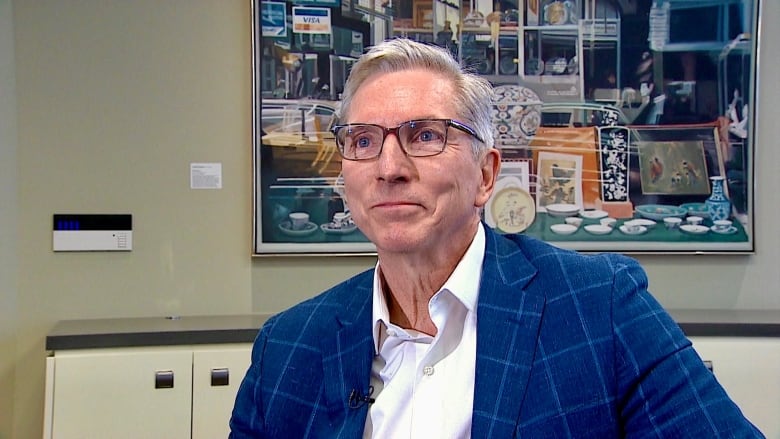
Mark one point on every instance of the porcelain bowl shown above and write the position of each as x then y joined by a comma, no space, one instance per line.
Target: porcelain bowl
562,210
563,229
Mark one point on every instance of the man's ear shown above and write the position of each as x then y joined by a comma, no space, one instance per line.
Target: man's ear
490,165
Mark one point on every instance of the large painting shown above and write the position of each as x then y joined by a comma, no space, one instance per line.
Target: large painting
624,125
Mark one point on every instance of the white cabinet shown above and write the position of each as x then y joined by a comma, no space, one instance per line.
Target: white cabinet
149,392
216,374
749,369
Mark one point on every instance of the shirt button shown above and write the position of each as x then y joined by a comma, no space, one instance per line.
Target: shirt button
428,370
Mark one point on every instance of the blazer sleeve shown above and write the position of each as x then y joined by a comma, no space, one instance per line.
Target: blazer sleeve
247,420
664,388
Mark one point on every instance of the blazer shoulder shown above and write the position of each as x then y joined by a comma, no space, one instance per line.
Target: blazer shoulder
560,271
344,302
545,256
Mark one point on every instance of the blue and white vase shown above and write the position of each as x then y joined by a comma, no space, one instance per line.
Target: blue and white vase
718,205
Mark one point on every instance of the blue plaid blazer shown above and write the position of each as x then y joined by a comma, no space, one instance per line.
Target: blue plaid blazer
568,345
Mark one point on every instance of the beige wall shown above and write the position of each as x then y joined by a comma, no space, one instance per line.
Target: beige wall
8,214
114,100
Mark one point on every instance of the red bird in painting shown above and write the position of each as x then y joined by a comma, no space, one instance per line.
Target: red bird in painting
656,169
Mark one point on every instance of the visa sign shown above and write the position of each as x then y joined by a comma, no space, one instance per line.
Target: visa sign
311,20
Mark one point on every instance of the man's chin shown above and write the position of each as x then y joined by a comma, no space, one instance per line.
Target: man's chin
399,242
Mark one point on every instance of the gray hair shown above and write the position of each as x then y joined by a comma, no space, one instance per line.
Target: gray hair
473,98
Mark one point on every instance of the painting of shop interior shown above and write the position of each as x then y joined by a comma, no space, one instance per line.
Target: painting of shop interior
633,90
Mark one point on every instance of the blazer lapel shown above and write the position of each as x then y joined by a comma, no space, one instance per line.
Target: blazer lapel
347,360
508,321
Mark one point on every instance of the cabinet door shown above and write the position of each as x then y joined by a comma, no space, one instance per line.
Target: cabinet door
216,374
748,368
122,393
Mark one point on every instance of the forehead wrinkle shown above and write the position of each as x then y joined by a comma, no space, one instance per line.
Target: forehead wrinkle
389,104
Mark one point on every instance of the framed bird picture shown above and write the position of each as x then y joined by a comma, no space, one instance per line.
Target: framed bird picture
673,168
559,180
579,141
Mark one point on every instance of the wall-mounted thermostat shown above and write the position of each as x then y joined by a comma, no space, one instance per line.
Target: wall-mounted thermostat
89,232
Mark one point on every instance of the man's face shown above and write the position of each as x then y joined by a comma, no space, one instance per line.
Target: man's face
415,204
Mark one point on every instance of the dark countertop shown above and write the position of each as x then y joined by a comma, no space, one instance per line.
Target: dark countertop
192,330
154,331
728,323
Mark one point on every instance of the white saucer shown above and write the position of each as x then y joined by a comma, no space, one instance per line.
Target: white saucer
598,229
638,231
730,231
343,230
307,229
694,229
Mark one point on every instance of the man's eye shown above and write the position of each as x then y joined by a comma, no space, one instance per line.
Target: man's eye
362,142
425,135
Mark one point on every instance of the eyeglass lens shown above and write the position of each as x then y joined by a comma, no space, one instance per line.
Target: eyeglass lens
418,138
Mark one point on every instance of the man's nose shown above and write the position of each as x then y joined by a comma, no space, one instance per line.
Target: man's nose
393,162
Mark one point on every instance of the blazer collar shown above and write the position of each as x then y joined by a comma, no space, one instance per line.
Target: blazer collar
508,320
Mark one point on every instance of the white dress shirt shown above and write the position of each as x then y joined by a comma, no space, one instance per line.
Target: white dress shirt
424,385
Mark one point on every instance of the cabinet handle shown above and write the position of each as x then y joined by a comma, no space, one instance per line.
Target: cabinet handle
220,377
163,379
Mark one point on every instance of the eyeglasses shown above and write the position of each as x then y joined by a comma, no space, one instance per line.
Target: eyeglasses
418,138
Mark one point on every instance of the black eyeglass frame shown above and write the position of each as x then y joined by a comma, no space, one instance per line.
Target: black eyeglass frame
394,130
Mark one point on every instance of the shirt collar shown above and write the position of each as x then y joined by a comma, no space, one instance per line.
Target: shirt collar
463,283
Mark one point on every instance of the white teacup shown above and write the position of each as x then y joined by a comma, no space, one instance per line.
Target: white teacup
672,222
574,221
721,225
695,220
341,219
298,220
608,222
632,227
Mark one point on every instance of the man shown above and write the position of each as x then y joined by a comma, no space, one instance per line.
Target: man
458,331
